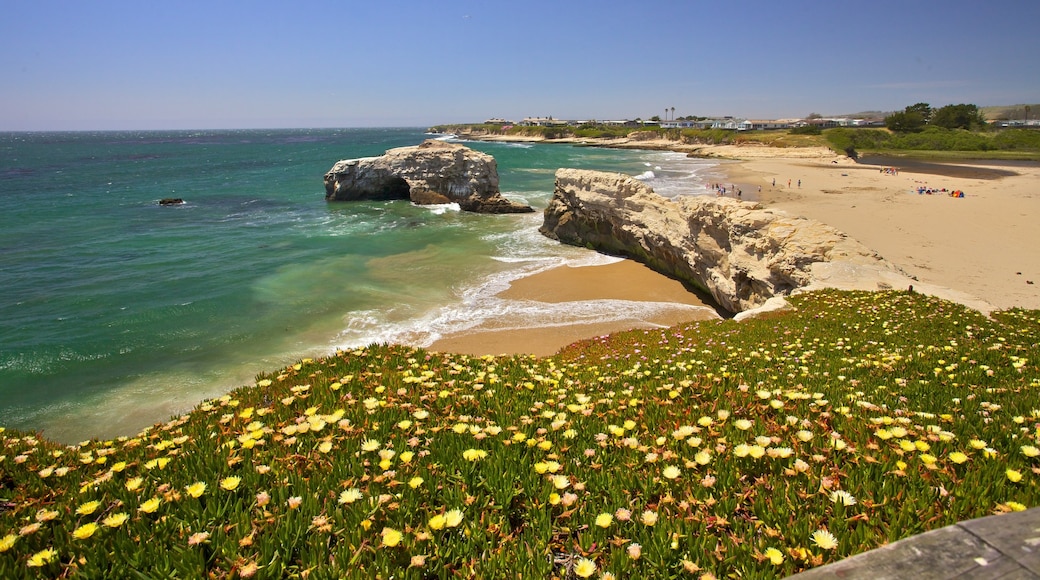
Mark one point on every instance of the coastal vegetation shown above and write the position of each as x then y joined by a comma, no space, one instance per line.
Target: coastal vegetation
714,449
925,141
940,142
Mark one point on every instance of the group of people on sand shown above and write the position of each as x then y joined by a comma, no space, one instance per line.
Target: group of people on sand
721,190
890,170
925,190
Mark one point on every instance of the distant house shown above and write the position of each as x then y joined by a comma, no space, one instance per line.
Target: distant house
542,122
678,124
762,125
497,121
728,123
818,123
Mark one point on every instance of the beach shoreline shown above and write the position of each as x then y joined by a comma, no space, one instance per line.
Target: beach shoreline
979,244
664,302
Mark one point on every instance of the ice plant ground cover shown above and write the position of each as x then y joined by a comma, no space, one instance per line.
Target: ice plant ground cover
715,449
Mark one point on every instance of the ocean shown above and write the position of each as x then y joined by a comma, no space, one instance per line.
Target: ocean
116,312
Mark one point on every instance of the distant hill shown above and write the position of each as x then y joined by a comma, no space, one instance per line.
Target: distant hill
996,112
1007,112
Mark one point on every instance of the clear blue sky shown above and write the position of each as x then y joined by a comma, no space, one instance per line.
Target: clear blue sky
144,64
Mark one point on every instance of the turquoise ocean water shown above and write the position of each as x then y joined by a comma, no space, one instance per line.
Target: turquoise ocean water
116,313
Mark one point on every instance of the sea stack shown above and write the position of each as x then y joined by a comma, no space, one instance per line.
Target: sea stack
434,172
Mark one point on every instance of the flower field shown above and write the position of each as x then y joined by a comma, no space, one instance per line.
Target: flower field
710,450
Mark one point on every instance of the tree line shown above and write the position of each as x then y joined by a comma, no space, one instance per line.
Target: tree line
917,117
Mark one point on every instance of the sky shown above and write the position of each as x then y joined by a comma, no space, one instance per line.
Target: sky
182,64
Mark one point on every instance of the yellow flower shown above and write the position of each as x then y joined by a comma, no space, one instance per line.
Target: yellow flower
702,458
197,489
843,497
648,517
391,537
415,482
350,496
325,446
560,481
670,472
474,454
928,458
406,456
1013,475
453,518
230,483
1030,451
7,542
776,557
41,558
115,520
437,522
370,445
88,508
1014,505
584,567
85,531
149,506
554,498
824,540
604,520
958,457
134,484
743,424
46,515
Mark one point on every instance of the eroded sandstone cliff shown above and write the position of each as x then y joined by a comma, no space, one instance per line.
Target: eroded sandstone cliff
434,172
739,252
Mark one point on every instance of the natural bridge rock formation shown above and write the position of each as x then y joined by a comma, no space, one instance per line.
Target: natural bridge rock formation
434,172
739,252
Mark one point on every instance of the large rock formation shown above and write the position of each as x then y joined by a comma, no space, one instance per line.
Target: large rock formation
434,172
739,252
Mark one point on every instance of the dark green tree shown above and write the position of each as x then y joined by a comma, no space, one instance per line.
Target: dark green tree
905,121
958,117
923,108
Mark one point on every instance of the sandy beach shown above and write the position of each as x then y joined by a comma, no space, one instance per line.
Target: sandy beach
983,244
625,280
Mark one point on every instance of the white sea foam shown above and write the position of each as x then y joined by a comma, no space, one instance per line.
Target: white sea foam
646,176
441,208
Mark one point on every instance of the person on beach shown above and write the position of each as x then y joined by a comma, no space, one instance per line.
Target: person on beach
774,182
799,183
788,184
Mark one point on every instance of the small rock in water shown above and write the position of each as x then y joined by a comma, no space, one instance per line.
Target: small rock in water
171,201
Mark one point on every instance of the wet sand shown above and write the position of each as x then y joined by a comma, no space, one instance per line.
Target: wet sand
625,280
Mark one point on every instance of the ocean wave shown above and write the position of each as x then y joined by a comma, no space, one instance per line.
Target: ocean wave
441,208
646,176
